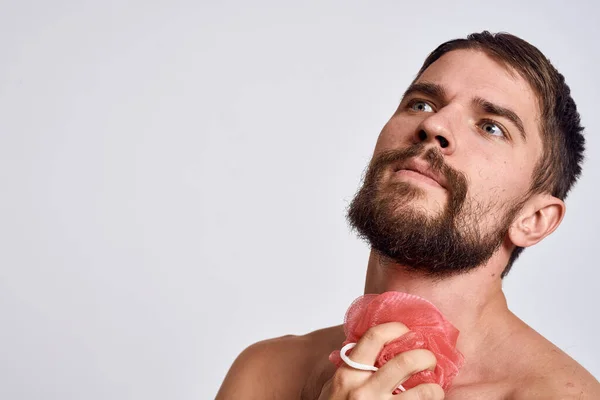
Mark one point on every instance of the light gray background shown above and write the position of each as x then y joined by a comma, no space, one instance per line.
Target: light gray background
174,178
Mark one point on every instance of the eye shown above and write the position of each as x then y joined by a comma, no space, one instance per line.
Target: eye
419,105
493,129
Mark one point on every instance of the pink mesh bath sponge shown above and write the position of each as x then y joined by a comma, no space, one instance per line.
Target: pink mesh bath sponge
428,330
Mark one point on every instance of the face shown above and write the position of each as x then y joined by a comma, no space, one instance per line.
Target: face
452,167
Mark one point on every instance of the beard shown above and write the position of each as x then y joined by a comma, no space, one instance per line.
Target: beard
452,242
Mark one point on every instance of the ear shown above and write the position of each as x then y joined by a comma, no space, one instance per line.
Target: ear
539,217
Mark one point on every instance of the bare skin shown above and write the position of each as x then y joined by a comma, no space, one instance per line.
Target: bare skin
504,357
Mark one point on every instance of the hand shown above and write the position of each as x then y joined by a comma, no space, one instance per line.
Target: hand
351,384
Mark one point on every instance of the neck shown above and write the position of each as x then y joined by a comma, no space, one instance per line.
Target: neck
473,302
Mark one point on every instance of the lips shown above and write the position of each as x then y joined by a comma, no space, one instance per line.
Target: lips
423,169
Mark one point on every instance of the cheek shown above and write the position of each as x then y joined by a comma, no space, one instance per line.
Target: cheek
514,175
395,134
494,182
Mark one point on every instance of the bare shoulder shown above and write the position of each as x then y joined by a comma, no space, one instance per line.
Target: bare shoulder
262,370
273,368
552,374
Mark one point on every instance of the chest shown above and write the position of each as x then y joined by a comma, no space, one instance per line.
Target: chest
488,391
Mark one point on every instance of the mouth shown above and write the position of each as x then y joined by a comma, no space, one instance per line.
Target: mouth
420,171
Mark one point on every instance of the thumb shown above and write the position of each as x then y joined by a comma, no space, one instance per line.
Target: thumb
326,391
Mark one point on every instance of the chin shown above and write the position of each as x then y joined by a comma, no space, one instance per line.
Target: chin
421,201
425,207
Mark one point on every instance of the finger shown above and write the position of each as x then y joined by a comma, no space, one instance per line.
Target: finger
426,391
366,351
326,391
370,344
397,370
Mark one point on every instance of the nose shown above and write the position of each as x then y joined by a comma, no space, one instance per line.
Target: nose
435,130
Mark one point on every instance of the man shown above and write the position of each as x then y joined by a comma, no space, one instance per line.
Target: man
472,167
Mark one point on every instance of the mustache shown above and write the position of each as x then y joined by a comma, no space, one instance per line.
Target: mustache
456,180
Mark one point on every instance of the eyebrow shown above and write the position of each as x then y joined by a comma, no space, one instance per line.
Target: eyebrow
494,109
431,89
437,91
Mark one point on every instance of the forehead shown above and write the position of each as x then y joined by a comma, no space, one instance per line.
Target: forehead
466,73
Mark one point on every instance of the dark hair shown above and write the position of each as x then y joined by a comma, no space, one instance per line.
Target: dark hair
563,143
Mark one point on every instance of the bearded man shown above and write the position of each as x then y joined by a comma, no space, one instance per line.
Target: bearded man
472,168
